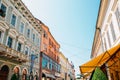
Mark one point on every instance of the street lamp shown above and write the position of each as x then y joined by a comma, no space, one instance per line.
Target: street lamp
33,57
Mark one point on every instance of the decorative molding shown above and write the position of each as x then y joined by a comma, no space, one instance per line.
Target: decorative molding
13,33
22,39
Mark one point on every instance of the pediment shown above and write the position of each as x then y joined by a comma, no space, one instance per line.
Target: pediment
21,38
13,33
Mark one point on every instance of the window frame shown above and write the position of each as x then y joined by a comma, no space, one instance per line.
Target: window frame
117,14
18,46
113,31
5,10
13,24
28,35
22,27
33,37
9,43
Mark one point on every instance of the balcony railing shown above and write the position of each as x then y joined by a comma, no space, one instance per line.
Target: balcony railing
12,54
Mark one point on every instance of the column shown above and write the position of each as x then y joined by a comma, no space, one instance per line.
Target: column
5,36
9,13
23,48
18,23
25,29
15,43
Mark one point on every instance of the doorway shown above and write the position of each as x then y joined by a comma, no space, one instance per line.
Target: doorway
4,72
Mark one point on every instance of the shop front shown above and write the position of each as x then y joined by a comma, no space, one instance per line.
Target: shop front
48,76
108,62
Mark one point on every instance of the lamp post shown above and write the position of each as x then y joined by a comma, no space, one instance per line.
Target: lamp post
101,38
33,57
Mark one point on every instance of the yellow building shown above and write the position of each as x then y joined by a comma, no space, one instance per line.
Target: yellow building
67,68
63,63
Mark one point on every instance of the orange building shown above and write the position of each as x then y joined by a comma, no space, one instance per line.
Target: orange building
50,55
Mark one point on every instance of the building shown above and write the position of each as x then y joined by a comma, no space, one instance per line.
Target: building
19,40
67,70
63,63
105,50
70,71
50,55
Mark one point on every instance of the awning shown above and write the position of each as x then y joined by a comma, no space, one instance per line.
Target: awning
49,75
98,61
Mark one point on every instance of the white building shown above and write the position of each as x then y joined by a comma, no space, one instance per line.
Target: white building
107,27
107,36
19,39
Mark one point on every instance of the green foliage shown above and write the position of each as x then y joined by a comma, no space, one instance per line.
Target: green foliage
99,75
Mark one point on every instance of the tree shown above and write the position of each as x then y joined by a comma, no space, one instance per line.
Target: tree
99,75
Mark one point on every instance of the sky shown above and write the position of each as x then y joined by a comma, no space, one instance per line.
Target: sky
72,24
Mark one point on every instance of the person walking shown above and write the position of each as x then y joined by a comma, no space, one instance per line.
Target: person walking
31,76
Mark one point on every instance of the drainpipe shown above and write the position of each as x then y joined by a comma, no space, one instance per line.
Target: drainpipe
40,71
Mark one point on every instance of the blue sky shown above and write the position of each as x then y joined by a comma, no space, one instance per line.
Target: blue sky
71,22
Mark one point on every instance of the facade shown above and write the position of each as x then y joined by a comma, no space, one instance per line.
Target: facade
19,41
63,63
50,55
70,71
67,70
108,29
107,40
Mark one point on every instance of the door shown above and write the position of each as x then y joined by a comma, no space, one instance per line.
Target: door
4,72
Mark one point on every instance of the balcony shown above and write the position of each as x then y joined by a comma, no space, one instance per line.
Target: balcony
12,55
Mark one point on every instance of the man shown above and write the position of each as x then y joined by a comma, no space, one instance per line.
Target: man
31,76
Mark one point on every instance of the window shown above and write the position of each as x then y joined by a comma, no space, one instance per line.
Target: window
21,27
13,20
59,68
50,65
37,41
19,47
10,41
108,36
3,10
45,61
45,35
105,45
26,50
28,33
113,32
117,13
33,37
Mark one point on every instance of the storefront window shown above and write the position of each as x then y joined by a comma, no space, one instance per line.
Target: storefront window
50,65
44,61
